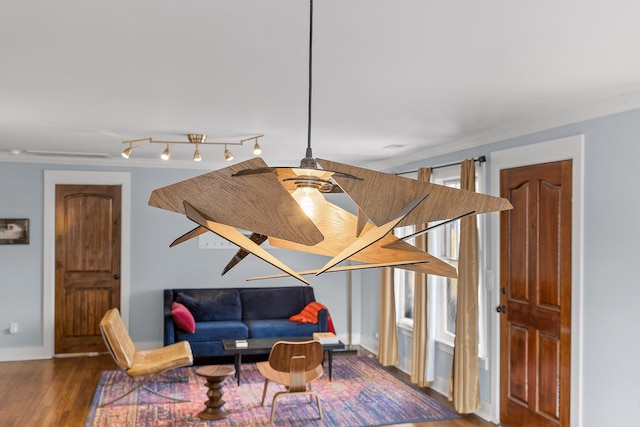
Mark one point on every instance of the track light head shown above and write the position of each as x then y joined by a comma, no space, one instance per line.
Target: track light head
166,153
227,154
126,153
257,150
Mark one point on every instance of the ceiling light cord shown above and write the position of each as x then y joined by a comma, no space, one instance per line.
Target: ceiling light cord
309,153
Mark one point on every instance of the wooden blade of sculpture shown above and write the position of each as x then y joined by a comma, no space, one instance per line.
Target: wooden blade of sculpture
339,269
188,236
396,249
338,226
234,236
380,195
286,173
256,238
363,219
258,203
440,224
373,235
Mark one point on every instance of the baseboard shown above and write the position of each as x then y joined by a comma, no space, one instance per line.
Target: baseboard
38,353
23,353
441,386
485,411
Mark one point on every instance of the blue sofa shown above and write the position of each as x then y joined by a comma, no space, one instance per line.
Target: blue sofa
239,313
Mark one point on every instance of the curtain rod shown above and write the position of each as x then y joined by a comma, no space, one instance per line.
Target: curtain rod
480,159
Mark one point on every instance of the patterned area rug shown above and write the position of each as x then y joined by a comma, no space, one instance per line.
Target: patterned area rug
361,394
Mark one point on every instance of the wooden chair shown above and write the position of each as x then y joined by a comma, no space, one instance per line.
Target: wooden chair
141,366
294,365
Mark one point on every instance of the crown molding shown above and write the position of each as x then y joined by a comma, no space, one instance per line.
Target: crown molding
112,162
610,106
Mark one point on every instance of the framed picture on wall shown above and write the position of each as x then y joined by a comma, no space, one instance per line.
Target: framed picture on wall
14,231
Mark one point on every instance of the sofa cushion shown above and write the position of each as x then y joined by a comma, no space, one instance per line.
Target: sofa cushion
279,328
183,317
205,350
221,305
274,303
215,330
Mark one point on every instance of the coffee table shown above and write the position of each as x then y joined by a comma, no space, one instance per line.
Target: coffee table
264,345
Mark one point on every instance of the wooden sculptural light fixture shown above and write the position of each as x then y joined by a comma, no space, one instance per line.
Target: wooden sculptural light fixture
270,202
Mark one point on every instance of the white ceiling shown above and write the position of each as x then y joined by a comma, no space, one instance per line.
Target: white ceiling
393,79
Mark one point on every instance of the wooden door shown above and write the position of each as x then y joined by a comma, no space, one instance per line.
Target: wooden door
535,286
87,253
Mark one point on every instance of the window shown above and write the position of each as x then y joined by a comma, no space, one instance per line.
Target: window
444,243
404,281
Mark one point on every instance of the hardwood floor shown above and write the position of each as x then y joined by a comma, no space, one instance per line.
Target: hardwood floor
58,392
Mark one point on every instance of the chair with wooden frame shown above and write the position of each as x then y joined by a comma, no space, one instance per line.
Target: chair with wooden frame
141,366
294,365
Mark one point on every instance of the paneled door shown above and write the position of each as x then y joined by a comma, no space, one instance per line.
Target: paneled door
535,301
87,264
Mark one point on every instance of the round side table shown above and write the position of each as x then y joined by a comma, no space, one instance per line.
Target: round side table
215,375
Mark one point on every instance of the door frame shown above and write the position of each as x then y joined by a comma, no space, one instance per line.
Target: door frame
51,179
543,152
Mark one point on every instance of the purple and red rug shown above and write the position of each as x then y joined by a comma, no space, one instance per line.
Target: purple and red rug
361,394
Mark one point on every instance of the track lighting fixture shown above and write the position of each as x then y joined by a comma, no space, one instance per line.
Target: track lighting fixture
193,138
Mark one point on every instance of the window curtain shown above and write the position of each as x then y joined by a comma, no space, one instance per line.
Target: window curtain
464,386
421,342
388,335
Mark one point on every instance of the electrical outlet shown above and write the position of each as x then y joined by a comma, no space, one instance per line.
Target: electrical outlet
13,327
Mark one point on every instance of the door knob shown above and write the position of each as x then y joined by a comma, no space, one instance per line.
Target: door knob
501,309
116,276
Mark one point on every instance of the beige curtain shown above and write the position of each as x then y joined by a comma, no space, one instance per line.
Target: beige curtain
464,387
388,335
420,347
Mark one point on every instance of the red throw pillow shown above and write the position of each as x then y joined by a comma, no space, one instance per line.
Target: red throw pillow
183,317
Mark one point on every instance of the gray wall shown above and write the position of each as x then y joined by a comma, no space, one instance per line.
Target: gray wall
611,286
611,291
154,266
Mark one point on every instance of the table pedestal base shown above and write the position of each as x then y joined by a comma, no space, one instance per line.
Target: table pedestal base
215,375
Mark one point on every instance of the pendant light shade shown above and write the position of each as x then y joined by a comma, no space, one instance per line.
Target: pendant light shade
311,201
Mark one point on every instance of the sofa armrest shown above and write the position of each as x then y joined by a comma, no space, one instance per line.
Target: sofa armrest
169,325
323,320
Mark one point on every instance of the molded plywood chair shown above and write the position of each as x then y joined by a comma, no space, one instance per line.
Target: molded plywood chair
294,365
141,366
